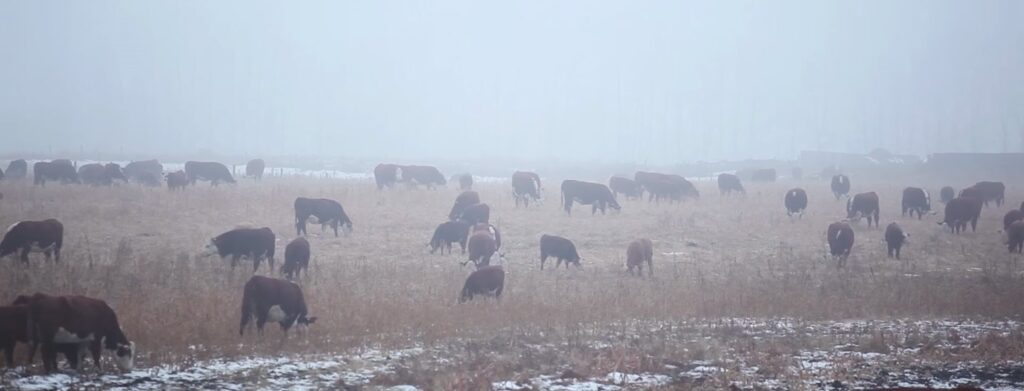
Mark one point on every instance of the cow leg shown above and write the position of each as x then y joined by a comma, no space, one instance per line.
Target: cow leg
898,248
300,225
234,261
24,253
9,355
334,226
49,357
543,257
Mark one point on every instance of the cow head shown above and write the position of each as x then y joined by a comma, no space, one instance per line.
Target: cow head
210,249
124,356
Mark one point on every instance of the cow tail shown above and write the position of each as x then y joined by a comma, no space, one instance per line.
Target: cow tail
246,311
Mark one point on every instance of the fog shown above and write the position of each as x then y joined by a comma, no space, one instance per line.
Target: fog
630,81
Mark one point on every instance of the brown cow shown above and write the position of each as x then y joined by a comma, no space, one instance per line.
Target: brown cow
626,186
464,200
597,195
273,300
447,233
638,252
895,239
1012,216
477,213
959,212
176,180
561,248
13,329
986,191
840,241
254,243
482,246
296,258
45,236
485,281
77,320
863,205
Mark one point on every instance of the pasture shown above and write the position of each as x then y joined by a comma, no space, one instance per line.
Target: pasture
724,267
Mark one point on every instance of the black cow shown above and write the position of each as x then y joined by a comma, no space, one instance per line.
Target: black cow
464,200
13,329
840,186
177,180
587,193
145,172
729,183
986,191
296,258
669,186
863,205
626,186
76,320
254,168
525,186
476,213
946,194
385,175
1011,217
273,300
560,248
840,241
796,202
208,171
959,212
254,243
96,174
894,239
1015,237
423,175
45,236
326,212
764,175
17,169
916,200
58,170
485,281
447,233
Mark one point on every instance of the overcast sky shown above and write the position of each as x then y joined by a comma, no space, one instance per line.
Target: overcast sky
631,81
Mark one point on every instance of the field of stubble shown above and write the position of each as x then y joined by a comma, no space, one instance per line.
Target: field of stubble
720,263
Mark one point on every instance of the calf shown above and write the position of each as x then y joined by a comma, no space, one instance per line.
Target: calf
863,205
476,213
626,186
1015,237
273,300
326,212
560,248
485,281
45,236
916,200
255,243
959,212
90,323
946,194
895,238
840,241
796,202
840,186
1012,216
586,193
729,183
638,252
176,180
447,233
464,200
296,258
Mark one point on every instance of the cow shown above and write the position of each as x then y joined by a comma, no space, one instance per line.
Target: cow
659,189
273,300
959,212
145,172
13,329
482,246
447,233
89,323
665,185
1011,217
729,183
296,258
463,200
986,191
796,202
863,205
840,186
254,168
254,243
918,200
485,281
423,175
385,175
326,212
840,241
487,228
525,186
465,181
946,194
626,186
46,236
96,174
17,169
587,193
208,171
1015,237
560,248
895,239
764,175
476,213
638,252
176,180
58,170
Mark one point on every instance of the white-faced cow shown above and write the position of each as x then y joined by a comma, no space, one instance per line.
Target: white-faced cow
253,243
638,252
560,248
840,186
895,238
273,300
916,200
46,236
208,171
525,186
863,205
485,281
296,258
326,212
796,202
729,183
254,168
76,320
587,193
840,241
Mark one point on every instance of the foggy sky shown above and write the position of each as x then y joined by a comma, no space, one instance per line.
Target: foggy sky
630,81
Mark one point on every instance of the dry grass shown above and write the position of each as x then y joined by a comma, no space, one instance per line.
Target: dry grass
138,249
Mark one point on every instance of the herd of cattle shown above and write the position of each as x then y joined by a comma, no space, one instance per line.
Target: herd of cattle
76,325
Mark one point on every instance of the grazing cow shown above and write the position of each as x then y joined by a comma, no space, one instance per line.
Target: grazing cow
255,243
960,211
895,238
464,200
208,171
560,248
729,183
76,320
447,233
796,202
423,175
863,205
764,175
96,174
177,180
465,181
45,236
58,170
840,186
626,186
525,185
13,329
485,281
273,300
840,241
476,213
916,200
660,185
146,172
1015,237
587,193
254,168
296,258
638,252
946,194
482,246
1011,217
487,228
385,175
986,191
17,169
326,212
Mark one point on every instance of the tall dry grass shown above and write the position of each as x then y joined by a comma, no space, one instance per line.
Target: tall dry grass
138,248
